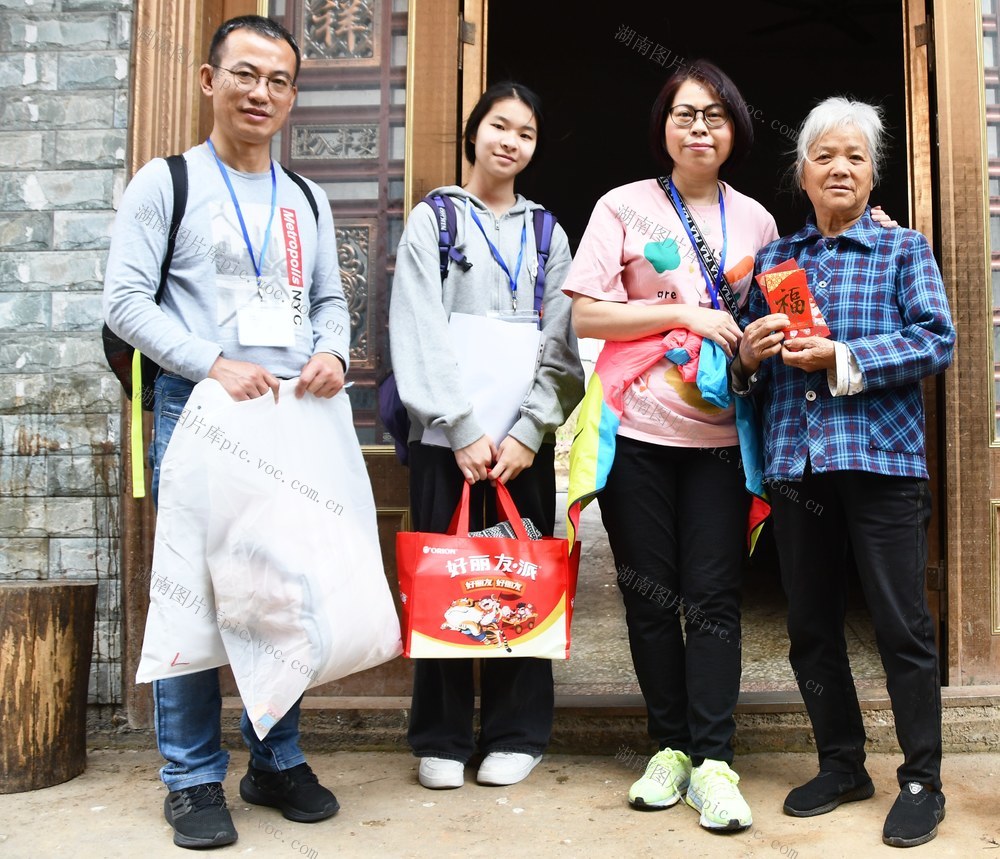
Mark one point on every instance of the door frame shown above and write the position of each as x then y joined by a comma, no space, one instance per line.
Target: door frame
947,177
446,72
971,458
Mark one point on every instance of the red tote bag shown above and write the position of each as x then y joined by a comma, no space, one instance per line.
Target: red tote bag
493,597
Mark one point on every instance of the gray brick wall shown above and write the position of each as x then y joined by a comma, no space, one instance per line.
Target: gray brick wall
64,68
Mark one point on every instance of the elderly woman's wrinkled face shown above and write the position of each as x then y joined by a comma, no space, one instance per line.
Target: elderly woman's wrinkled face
837,174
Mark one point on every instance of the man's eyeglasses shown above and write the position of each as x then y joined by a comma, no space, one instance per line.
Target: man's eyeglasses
684,115
279,86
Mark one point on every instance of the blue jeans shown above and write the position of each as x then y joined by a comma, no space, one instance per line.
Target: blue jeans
188,709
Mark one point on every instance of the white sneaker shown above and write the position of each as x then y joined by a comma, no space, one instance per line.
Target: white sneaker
506,767
441,773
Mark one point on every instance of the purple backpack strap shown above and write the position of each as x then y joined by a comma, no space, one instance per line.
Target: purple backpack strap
444,210
545,223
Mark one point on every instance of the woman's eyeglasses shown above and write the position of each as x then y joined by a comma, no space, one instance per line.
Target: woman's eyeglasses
684,115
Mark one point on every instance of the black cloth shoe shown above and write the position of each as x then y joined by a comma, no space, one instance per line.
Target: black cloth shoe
199,816
914,816
296,791
826,791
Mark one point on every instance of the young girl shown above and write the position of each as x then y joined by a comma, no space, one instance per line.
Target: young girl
674,504
494,231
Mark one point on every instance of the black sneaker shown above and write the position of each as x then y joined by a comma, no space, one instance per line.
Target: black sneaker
914,816
199,816
826,791
296,791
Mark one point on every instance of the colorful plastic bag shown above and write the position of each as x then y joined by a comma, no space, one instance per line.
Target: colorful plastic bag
494,597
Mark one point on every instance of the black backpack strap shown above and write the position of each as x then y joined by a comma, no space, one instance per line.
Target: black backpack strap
303,185
179,179
545,224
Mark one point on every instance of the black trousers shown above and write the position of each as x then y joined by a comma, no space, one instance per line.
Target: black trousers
884,520
676,520
516,695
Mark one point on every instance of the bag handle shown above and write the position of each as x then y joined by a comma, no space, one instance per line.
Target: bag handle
460,521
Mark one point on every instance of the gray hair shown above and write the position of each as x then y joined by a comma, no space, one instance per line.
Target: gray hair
838,112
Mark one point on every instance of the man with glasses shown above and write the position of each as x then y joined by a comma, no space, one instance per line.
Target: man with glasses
252,295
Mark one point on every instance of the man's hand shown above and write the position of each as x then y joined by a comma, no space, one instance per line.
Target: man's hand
474,460
809,353
512,458
322,376
242,379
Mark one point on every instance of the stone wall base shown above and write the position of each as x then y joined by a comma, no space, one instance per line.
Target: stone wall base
970,723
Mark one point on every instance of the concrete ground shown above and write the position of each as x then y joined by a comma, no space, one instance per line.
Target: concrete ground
570,806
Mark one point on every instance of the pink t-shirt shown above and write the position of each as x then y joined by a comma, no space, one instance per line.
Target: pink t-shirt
636,250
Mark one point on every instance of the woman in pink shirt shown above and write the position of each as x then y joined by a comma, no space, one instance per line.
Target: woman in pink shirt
674,505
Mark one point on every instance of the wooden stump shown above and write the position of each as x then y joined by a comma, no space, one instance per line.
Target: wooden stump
46,640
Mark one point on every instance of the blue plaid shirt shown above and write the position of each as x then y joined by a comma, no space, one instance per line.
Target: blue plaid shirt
881,293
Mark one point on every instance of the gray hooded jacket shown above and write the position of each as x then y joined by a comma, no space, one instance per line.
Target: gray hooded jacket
424,363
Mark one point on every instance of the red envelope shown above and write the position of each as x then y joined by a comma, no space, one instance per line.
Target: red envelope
786,289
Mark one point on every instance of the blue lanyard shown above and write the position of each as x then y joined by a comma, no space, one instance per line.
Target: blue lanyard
257,264
713,284
496,255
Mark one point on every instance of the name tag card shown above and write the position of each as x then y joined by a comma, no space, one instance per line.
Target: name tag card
266,323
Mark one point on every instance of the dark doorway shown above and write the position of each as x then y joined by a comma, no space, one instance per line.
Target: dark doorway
598,74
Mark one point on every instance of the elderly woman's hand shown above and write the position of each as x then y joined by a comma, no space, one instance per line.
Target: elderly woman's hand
810,353
761,339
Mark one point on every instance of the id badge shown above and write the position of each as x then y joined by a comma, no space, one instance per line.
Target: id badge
529,317
266,323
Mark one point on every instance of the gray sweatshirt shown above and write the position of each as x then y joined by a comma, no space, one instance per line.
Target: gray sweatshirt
424,364
211,274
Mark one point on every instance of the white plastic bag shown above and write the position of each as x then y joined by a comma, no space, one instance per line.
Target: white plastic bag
266,553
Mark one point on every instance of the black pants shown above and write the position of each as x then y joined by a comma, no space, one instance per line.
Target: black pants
516,695
885,520
676,519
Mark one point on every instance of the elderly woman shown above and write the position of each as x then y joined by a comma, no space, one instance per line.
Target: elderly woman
844,455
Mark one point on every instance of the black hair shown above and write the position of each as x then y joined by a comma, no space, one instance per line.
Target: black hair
258,24
708,73
498,92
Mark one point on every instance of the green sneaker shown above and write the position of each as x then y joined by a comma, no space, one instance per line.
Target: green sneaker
665,780
714,793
